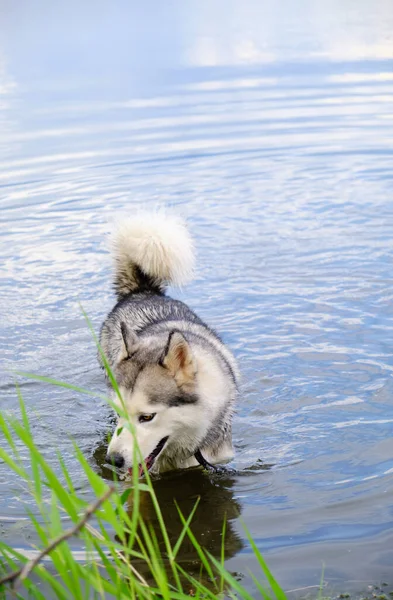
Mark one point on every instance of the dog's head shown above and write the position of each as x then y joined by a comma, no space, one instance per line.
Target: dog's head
158,381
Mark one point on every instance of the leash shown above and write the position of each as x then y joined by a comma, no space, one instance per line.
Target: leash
203,462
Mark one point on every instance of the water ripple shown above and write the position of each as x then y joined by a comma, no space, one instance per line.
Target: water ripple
280,157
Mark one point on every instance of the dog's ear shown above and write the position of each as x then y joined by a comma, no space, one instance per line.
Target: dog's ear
130,342
179,360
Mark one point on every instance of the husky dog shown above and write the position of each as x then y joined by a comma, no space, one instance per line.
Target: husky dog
178,381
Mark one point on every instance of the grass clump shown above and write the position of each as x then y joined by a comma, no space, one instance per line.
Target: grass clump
123,557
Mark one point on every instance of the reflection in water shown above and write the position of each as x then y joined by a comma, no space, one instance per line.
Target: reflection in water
216,505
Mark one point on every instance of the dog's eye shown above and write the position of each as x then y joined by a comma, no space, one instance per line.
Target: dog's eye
146,418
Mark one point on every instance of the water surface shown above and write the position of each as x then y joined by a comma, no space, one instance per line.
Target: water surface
269,126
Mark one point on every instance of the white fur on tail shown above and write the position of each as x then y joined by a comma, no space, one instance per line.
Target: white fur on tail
151,250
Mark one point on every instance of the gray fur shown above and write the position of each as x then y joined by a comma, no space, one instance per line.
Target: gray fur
154,316
135,338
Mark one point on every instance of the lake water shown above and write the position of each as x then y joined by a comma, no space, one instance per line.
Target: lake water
269,126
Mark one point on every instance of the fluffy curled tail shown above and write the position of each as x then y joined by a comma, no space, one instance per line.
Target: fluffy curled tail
151,251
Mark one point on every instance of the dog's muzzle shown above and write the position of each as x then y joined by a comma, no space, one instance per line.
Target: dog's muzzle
150,460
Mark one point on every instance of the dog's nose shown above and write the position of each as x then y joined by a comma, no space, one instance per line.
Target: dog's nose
115,459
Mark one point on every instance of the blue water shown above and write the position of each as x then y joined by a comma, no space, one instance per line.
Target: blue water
269,126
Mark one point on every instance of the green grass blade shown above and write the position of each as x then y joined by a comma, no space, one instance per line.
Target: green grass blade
185,527
276,588
198,548
63,384
230,580
260,587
